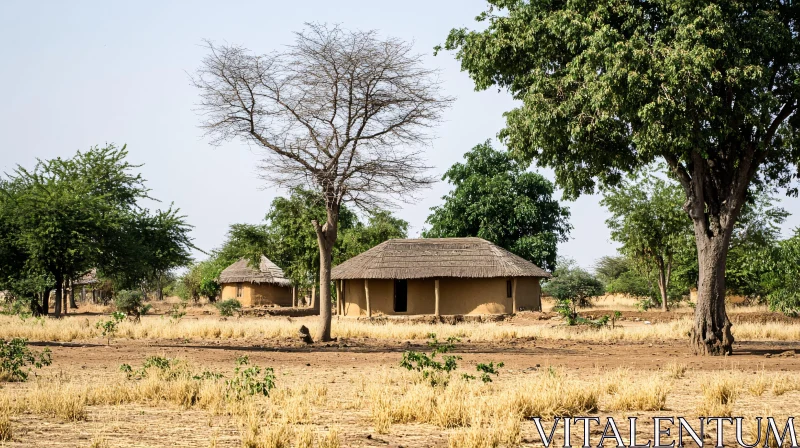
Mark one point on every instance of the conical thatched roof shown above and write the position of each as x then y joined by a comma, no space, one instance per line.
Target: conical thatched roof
436,257
242,272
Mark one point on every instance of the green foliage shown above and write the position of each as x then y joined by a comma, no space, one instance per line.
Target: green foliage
648,220
289,240
109,327
17,360
496,199
486,370
229,307
65,216
131,303
167,369
436,372
249,380
177,311
782,280
572,283
164,368
640,81
572,287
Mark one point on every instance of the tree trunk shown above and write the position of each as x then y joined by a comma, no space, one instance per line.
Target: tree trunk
45,308
59,296
662,285
72,303
711,334
326,239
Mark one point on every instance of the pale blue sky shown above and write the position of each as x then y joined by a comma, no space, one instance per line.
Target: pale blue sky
83,73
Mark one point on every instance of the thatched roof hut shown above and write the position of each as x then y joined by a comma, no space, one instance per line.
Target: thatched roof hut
438,276
264,285
437,257
89,278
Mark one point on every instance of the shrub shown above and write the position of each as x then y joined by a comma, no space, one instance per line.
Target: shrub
16,359
249,380
110,327
131,303
177,311
431,369
228,307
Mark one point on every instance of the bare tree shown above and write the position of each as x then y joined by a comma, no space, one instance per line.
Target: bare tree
342,112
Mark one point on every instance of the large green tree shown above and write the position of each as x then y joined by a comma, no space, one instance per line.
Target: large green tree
607,87
648,221
70,215
494,198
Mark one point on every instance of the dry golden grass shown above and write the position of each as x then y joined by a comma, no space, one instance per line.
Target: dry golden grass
159,327
642,394
63,400
758,385
719,395
6,431
676,370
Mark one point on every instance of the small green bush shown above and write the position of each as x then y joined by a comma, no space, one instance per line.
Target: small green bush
249,380
131,303
110,327
436,372
16,359
228,307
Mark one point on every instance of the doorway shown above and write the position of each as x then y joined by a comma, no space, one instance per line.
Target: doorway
400,296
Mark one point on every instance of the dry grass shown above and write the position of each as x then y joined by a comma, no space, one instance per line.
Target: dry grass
6,431
719,395
642,394
758,385
676,370
157,327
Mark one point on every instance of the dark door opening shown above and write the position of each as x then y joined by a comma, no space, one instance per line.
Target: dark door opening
401,296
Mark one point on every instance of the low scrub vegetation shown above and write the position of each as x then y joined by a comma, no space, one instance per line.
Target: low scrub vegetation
229,307
17,360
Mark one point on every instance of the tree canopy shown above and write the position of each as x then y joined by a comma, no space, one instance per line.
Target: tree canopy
494,198
64,217
609,87
648,221
288,239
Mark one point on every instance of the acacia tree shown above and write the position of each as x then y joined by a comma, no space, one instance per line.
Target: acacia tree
607,87
648,220
494,198
341,112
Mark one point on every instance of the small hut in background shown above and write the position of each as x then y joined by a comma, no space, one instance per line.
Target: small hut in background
264,285
90,286
437,276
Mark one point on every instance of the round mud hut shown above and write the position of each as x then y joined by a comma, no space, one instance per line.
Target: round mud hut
439,276
264,285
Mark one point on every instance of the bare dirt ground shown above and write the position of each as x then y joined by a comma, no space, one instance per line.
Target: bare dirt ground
347,364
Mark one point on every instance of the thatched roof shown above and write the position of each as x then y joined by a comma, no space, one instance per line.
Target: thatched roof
436,257
242,272
88,278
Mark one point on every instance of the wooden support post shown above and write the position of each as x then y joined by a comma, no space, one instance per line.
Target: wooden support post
338,298
313,295
436,291
514,296
366,293
294,296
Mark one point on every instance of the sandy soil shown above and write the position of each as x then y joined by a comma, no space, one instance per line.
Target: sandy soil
339,365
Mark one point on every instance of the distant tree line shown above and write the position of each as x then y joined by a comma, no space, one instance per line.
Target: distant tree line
658,261
288,239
